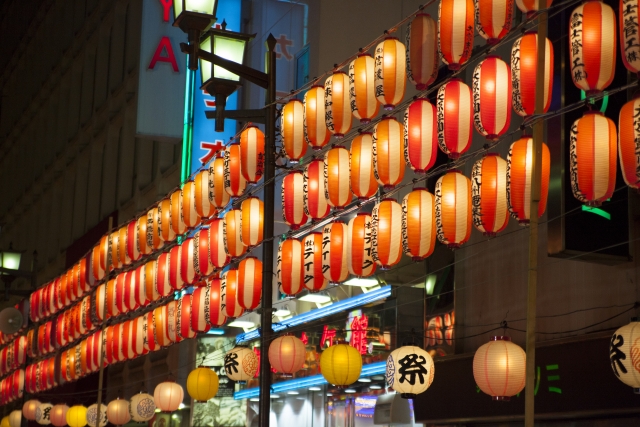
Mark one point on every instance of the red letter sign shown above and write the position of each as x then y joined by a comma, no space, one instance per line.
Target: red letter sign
165,43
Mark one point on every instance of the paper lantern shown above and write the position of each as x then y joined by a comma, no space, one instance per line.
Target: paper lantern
337,105
142,248
249,283
43,414
314,280
530,7
15,418
252,221
150,279
204,206
29,409
133,251
77,416
202,384
592,41
171,321
232,233
629,142
386,233
337,189
524,60
252,153
202,260
160,327
292,200
292,128
363,181
390,72
489,192
362,89
334,251
629,46
623,353
455,31
493,19
519,179
388,149
341,364
453,209
5,420
410,371
422,51
142,407
592,159
499,368
105,262
92,415
241,363
359,246
229,294
58,415
315,129
118,412
140,286
218,196
164,214
177,221
128,342
154,230
290,267
188,258
287,354
168,396
183,318
216,300
418,224
138,338
455,112
234,182
420,135
315,203
491,97
199,309
217,251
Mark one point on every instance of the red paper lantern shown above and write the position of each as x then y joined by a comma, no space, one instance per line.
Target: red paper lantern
217,312
530,7
160,326
252,221
140,286
363,181
183,319
249,283
453,209
218,196
489,192
164,214
629,142
143,247
422,49
336,100
455,111
232,233
315,203
133,251
388,149
390,72
234,182
334,251
217,252
420,135
455,31
386,225
336,177
150,343
199,308
493,19
154,230
359,240
252,153
419,224
290,268
202,261
314,280
362,89
229,294
292,128
491,97
292,200
524,60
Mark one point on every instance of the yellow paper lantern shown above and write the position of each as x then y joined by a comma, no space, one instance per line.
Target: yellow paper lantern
5,422
499,368
168,396
118,412
202,384
341,364
77,416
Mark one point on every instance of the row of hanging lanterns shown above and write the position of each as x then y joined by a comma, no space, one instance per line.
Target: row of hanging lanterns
12,387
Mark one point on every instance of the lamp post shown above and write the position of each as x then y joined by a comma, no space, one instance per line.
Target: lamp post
10,270
221,53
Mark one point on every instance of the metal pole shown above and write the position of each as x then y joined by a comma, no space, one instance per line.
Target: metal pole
267,247
102,340
536,172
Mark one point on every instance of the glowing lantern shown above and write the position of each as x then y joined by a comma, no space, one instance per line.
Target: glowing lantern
292,128
249,283
162,285
168,396
183,318
315,129
15,418
142,247
453,209
455,113
359,246
217,315
29,409
252,154
524,60
204,206
252,221
423,369
489,190
187,257
491,97
154,232
241,363
160,326
133,252
175,267
128,342
218,196
362,89
341,364
43,414
292,203
202,260
315,203
455,31
337,104
624,347
314,280
390,72
493,19
150,275
287,354
5,420
142,407
123,258
334,251
388,149
419,224
232,233
592,37
58,415
199,308
118,412
290,268
217,251
386,234
363,181
140,292
177,221
164,213
138,337
202,384
519,179
592,159
77,416
629,47
336,177
171,321
420,135
422,49
92,415
234,182
629,142
229,294
499,368
530,7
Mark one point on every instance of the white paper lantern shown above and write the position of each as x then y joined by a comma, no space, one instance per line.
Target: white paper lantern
142,407
92,415
624,353
241,363
168,396
410,371
15,418
499,368
118,412
42,414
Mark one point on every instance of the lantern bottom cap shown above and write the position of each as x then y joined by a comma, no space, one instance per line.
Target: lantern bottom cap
420,171
365,121
389,107
338,135
454,67
492,40
408,395
501,398
492,137
388,187
454,156
317,148
294,161
421,86
523,222
454,245
294,227
593,92
594,203
417,258
489,234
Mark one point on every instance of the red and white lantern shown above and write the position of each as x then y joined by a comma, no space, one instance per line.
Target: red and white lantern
183,319
362,89
390,72
217,250
388,149
252,221
229,294
419,224
199,308
218,196
315,128
455,112
359,246
491,97
420,135
204,206
252,153
363,181
334,251
386,226
314,280
290,267
163,284
232,233
493,19
337,190
249,283
202,261
292,200
234,182
456,22
217,314
315,203
188,258
489,192
453,209
524,60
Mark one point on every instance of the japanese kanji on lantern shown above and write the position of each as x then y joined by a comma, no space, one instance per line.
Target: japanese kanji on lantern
160,329
203,266
133,250
391,72
241,363
491,97
499,368
92,415
315,128
337,105
629,142
200,309
290,267
252,153
122,252
455,112
623,354
418,224
386,234
113,256
341,364
154,231
592,41
456,21
388,150
359,246
453,209
204,206
493,19
218,196
249,283
592,159
337,189
286,354
420,135
162,284
315,203
229,294
232,233
422,51
217,251
183,318
214,303
175,267
234,181
334,251
410,371
164,213
629,29
292,200
489,193
293,129
363,181
172,321
362,89
314,280
524,60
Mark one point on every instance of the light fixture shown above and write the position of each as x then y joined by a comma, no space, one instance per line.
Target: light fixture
364,380
158,410
350,390
182,406
282,312
378,377
10,259
315,388
242,324
430,284
255,399
317,298
329,394
366,284
274,396
293,393
215,331
194,17
375,387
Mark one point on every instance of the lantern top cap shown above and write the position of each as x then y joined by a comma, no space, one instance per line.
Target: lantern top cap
316,86
297,100
361,54
493,56
492,155
363,214
338,72
454,171
388,199
390,38
593,112
500,338
422,14
249,257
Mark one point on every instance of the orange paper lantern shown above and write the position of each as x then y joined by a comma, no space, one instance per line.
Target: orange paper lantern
177,221
315,129
524,60
419,224
337,190
229,294
363,181
334,251
388,149
292,128
489,192
234,181
249,283
420,135
314,280
362,89
337,104
629,142
217,251
455,31
204,206
422,49
390,72
216,301
493,19
252,221
491,97
453,209
455,112
315,203
218,196
290,267
252,153
359,246
199,309
292,200
386,233
232,233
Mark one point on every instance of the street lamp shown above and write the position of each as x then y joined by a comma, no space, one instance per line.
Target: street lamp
9,260
10,269
194,17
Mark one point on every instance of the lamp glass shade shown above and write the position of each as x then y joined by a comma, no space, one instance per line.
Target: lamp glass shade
227,47
207,7
10,259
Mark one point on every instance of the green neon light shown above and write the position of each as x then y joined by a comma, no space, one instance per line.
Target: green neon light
555,390
605,101
597,211
187,132
535,391
553,377
552,367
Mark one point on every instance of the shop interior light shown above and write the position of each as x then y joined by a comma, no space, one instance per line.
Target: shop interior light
293,393
350,390
317,298
378,344
430,284
10,259
242,324
364,380
182,406
329,394
315,388
215,331
275,396
367,284
255,399
375,387
282,312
